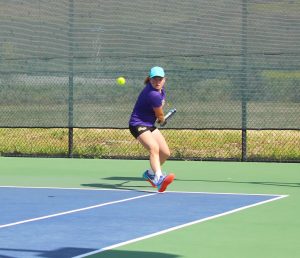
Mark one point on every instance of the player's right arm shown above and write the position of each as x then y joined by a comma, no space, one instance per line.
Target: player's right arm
156,102
159,113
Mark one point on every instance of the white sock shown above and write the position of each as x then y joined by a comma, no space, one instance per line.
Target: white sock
157,175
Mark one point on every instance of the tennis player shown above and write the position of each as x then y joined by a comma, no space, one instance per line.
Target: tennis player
148,109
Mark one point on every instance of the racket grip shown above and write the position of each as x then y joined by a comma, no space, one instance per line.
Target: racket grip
163,123
169,114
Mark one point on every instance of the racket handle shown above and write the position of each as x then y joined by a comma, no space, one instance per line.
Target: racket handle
164,123
168,115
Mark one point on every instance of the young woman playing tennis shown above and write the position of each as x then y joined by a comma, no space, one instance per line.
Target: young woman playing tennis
148,109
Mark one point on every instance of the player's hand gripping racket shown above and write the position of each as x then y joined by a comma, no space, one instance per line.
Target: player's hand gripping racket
168,116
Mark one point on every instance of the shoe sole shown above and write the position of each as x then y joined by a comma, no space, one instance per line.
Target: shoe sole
168,180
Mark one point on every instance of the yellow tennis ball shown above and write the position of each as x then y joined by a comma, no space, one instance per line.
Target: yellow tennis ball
121,81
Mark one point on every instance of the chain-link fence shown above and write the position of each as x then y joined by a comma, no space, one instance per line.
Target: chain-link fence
233,71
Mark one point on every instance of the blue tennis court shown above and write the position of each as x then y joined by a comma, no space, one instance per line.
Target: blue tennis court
56,223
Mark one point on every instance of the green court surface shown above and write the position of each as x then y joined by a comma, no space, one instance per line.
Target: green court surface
268,230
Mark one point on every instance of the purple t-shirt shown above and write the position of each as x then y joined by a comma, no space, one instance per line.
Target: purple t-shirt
143,113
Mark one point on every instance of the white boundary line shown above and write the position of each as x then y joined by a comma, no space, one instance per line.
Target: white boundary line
73,211
126,190
63,188
177,227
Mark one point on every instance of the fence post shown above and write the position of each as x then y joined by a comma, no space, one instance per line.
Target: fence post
71,78
244,79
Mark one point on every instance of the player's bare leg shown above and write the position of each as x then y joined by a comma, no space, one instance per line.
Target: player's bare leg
164,151
159,151
150,143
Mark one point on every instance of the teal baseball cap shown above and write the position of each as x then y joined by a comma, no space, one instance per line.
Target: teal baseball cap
156,71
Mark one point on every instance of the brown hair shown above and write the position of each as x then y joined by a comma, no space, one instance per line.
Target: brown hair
147,80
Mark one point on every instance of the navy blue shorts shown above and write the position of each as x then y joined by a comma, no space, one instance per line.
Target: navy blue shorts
136,131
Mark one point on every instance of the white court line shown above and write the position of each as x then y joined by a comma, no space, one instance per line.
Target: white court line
62,188
133,190
177,227
73,211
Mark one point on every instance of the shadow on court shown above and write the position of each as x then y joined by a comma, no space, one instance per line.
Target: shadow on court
121,185
127,180
124,178
132,254
69,252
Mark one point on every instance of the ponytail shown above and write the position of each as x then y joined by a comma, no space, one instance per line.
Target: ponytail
147,80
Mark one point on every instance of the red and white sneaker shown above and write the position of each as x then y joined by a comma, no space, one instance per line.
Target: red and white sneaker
164,181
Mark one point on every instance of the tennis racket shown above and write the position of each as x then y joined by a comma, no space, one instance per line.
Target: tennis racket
168,116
